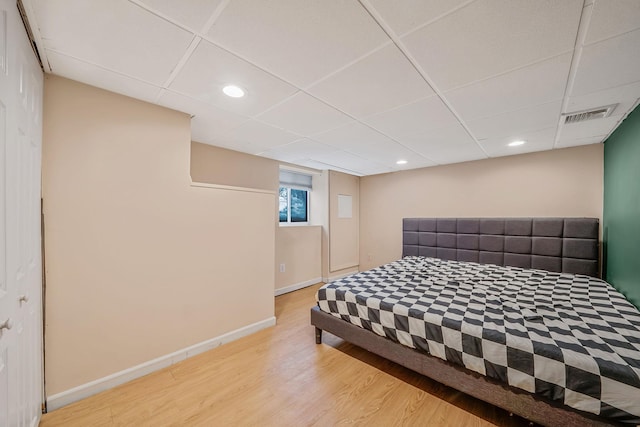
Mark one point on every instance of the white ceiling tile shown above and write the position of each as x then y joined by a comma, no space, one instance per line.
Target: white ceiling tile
589,128
116,34
210,68
352,135
415,118
379,82
607,64
312,164
279,155
413,164
203,128
445,145
405,16
501,64
304,115
347,161
533,85
324,166
626,96
366,143
563,143
210,123
376,170
306,148
299,41
386,153
442,137
514,124
190,13
196,107
93,75
611,18
456,153
489,37
254,137
538,140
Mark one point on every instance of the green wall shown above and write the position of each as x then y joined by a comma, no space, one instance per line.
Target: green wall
621,217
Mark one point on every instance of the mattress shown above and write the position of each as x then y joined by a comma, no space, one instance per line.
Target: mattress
570,338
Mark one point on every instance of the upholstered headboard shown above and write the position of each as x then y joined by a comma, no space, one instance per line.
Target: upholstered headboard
568,245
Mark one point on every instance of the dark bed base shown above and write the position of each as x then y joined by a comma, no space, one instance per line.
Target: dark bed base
529,406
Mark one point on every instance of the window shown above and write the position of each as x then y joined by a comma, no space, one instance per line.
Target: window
294,197
294,205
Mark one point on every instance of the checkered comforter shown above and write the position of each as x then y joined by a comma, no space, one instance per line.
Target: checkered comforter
570,338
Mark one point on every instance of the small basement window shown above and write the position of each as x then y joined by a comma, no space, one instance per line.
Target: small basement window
294,197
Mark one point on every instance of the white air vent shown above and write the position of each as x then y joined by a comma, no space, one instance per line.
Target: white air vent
595,113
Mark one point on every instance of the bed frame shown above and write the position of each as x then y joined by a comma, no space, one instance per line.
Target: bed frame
557,244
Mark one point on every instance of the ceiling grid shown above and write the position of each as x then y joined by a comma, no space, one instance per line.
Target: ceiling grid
358,85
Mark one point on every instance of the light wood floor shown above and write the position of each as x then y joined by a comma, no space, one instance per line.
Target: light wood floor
280,377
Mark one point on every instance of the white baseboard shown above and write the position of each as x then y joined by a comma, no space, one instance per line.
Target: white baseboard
297,286
336,277
89,389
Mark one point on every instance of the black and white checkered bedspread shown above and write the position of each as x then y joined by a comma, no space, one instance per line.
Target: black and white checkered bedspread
570,338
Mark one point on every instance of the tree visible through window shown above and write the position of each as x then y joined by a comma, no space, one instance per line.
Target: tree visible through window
294,205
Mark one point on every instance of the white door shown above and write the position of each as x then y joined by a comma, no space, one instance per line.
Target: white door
21,380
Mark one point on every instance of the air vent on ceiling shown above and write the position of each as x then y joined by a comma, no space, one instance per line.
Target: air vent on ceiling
595,113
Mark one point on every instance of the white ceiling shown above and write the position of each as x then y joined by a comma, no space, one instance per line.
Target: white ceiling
357,85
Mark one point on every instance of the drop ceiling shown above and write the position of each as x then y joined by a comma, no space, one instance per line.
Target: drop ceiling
354,85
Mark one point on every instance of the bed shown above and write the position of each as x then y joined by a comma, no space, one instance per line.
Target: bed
508,310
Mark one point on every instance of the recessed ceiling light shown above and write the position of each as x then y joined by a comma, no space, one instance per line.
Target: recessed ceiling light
401,162
233,91
516,143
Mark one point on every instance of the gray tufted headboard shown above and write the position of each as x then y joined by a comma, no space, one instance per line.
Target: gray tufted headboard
568,245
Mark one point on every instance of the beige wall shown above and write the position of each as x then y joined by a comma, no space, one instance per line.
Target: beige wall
567,182
319,211
343,232
299,249
139,263
215,165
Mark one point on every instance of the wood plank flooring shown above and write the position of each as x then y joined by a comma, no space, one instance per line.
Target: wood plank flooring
280,377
